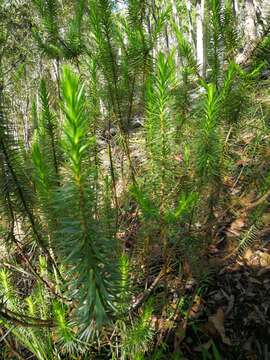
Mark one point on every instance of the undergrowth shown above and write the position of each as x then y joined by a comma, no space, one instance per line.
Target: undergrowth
103,224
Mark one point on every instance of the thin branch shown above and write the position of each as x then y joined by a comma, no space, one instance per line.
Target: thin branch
17,319
145,295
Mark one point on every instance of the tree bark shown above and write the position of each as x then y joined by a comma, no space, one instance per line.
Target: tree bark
200,38
235,7
191,35
250,31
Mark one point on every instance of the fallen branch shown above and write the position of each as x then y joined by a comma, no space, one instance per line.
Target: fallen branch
24,320
145,295
259,201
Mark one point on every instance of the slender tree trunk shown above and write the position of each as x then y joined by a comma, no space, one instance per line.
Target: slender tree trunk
177,21
250,25
191,35
235,7
262,11
250,31
200,38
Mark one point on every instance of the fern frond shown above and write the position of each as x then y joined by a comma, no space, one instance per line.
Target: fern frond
64,332
247,239
233,94
146,204
103,31
51,50
185,205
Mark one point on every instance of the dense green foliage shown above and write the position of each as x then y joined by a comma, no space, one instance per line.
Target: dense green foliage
77,172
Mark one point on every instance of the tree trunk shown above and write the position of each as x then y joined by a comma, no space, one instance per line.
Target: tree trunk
250,31
200,38
250,25
235,7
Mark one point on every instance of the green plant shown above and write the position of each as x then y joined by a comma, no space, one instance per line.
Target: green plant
136,339
92,274
95,215
36,338
48,35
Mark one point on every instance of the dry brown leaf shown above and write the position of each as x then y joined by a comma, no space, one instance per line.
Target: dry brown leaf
55,337
242,162
209,329
164,324
154,322
218,321
236,227
156,251
248,255
264,258
178,158
196,308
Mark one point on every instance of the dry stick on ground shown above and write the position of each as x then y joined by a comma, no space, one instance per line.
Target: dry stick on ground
264,198
259,201
16,319
144,296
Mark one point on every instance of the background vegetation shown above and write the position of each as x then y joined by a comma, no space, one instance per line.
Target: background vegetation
133,134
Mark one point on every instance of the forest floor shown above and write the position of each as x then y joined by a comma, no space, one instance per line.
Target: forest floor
232,315
226,313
